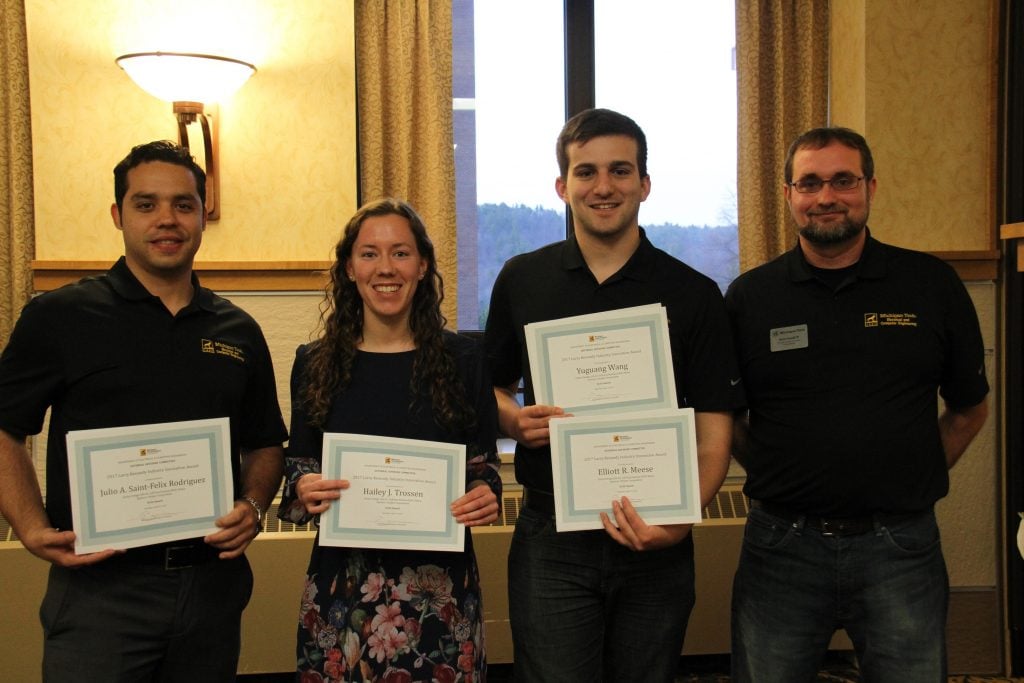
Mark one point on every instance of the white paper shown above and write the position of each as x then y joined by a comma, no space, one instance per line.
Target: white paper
614,361
1020,536
649,457
172,484
644,467
399,495
146,484
412,496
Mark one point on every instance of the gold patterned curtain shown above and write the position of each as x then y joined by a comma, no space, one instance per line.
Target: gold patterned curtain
16,219
404,95
782,77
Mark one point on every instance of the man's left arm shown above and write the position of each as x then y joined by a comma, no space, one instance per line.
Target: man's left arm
958,427
714,441
262,472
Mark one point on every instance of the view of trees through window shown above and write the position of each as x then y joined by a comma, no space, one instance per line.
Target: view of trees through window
668,65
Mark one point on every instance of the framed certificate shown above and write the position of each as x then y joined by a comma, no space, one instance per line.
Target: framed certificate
135,486
650,457
399,493
603,362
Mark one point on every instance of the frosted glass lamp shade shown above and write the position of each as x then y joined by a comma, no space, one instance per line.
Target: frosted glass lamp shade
186,77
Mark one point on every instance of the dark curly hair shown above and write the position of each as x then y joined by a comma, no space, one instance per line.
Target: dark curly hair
330,357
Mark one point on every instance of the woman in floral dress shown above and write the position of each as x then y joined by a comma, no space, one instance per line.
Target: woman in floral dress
384,365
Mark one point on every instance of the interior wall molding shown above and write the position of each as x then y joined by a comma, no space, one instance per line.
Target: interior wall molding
973,265
221,276
301,276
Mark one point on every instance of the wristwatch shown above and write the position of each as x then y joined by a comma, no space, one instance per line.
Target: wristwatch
259,511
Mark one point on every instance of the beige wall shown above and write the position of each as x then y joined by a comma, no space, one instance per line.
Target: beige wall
968,516
287,137
287,319
919,80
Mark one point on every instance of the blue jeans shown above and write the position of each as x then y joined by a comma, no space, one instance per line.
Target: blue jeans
585,609
795,586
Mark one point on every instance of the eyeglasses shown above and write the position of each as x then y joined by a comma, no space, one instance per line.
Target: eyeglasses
841,182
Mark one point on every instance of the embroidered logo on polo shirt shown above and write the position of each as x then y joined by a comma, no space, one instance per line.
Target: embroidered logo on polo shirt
221,349
890,320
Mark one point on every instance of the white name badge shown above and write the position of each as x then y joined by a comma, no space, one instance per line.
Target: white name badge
788,338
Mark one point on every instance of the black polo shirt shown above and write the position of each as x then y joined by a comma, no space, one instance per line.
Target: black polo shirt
104,352
554,282
841,381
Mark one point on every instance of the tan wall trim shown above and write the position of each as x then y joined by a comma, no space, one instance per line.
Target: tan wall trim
256,276
1011,230
973,265
304,276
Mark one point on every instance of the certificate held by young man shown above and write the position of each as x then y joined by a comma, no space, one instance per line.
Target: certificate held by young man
146,484
603,362
613,373
650,457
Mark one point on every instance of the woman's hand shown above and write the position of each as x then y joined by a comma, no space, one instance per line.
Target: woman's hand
316,493
477,507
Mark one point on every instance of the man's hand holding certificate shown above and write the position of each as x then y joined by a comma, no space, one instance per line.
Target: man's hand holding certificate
613,372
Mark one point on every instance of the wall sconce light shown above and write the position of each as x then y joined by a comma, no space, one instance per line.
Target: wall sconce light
188,81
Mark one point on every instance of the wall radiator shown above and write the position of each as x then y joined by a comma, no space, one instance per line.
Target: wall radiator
279,558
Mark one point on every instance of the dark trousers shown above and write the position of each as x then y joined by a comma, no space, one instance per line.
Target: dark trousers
122,621
584,609
795,586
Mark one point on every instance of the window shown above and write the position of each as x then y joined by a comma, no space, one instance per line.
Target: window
668,65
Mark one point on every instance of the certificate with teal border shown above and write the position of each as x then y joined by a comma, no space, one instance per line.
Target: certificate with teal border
609,362
648,457
399,493
145,484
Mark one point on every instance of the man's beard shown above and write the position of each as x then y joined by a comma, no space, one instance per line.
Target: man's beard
836,233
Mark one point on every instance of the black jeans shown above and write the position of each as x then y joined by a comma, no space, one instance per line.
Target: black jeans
119,621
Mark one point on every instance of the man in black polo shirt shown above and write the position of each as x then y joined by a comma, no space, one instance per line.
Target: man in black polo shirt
608,605
142,344
843,343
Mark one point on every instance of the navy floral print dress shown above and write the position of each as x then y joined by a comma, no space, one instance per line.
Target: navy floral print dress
391,616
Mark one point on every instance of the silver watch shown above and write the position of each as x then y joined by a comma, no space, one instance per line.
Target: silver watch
259,511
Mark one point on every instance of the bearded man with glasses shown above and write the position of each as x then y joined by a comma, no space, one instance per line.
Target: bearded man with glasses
845,345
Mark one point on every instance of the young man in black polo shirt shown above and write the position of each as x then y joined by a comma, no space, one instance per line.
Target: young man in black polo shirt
843,343
607,605
142,344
